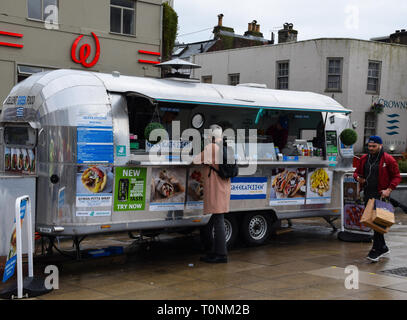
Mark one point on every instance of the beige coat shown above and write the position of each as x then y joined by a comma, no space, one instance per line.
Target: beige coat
216,189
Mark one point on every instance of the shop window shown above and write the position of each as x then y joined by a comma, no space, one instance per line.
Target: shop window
122,16
334,74
23,72
282,75
234,79
373,77
40,10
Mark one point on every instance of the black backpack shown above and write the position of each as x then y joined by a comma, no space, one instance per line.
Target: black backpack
228,168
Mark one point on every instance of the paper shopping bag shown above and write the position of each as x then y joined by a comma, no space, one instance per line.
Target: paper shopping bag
384,213
369,216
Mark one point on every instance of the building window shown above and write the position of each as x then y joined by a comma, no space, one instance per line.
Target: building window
206,79
334,74
122,16
23,72
38,9
373,77
234,79
282,75
370,127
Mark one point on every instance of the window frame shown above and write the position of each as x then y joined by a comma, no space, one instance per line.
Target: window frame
121,19
18,73
379,63
42,12
327,89
279,77
207,77
230,76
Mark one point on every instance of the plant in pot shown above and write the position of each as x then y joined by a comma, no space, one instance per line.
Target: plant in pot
149,128
348,137
377,108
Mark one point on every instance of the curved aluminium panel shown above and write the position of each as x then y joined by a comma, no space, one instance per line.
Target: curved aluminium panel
59,90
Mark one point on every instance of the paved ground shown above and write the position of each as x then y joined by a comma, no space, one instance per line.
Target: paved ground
306,263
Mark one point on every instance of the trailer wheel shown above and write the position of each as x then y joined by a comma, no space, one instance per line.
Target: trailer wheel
231,232
255,228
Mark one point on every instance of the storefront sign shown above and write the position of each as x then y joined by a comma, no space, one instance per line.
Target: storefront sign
11,34
84,52
130,189
390,104
149,53
243,188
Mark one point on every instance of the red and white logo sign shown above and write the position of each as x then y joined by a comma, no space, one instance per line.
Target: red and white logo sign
11,34
85,51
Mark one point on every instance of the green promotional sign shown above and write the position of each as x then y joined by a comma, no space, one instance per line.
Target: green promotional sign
130,189
331,143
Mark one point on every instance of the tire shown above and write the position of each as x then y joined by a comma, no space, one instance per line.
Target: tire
231,229
255,228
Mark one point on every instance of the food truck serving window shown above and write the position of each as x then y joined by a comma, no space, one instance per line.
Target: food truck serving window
19,135
291,132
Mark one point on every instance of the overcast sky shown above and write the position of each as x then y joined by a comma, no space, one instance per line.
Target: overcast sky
361,19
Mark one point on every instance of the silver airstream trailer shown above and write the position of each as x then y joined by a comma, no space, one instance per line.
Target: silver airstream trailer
84,136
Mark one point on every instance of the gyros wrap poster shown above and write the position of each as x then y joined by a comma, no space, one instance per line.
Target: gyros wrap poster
288,186
94,187
195,191
168,189
319,186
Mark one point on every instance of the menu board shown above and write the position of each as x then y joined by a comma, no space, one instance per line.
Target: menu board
94,137
331,142
288,186
167,189
319,186
130,189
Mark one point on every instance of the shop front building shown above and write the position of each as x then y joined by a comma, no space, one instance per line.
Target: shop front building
368,77
94,35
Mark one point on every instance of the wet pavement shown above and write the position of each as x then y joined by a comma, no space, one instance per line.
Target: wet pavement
308,262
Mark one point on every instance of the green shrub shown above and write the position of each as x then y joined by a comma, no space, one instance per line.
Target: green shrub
150,127
349,137
170,28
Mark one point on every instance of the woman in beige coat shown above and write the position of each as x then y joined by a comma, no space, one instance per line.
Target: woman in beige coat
216,195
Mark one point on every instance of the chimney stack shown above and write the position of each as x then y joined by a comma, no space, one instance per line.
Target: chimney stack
400,37
220,20
249,26
287,34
